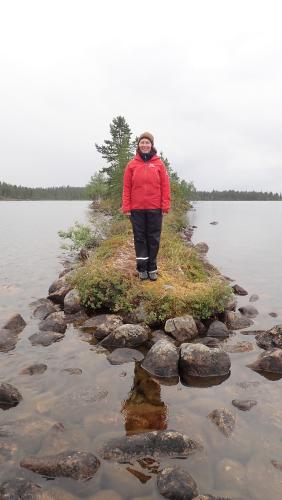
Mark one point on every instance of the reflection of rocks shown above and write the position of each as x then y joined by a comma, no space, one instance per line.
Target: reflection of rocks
224,420
55,322
15,489
72,303
43,310
244,404
34,369
169,444
218,329
9,396
162,360
126,336
276,464
45,338
182,328
239,290
269,361
74,464
249,311
271,338
176,483
237,321
124,355
198,360
242,346
100,326
15,323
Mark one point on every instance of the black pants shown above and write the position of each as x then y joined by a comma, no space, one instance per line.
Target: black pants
147,226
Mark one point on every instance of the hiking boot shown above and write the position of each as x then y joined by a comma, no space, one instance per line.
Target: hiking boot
143,275
153,275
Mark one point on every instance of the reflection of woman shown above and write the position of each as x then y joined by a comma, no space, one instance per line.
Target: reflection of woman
146,197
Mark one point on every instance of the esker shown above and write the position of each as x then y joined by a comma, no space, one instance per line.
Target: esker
146,197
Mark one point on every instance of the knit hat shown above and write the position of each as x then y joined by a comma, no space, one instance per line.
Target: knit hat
146,135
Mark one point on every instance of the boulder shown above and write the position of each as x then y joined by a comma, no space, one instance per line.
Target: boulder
211,341
58,290
182,328
56,285
160,335
271,338
9,396
244,404
124,355
55,322
45,338
171,444
44,310
8,340
198,360
15,323
176,483
201,247
34,369
224,420
239,290
237,321
249,311
72,303
126,336
101,325
218,329
269,361
73,464
162,360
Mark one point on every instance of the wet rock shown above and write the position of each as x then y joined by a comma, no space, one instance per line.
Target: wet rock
273,314
211,341
201,247
54,323
19,489
126,336
45,338
182,328
162,360
224,420
214,223
15,323
269,361
249,311
253,298
244,404
218,329
72,371
72,303
170,444
8,340
239,290
198,360
59,288
271,338
242,346
34,369
124,355
9,396
102,325
73,464
176,483
237,321
44,310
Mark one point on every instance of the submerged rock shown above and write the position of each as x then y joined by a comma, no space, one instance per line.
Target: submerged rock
249,311
269,361
74,464
242,346
182,328
15,323
44,310
271,338
72,303
72,371
224,420
237,321
239,290
244,404
124,355
55,322
254,297
102,325
126,336
218,329
198,360
8,340
33,369
45,338
19,489
170,444
176,483
9,396
162,359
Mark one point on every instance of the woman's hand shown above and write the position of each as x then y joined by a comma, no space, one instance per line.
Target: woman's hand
127,213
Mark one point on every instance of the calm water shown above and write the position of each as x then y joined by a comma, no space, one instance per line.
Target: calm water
107,400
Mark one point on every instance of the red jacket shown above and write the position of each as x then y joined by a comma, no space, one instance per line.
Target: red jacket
145,185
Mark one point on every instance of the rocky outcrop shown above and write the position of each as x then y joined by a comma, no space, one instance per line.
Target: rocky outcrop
171,444
182,328
176,483
271,338
198,360
126,336
72,303
162,360
9,396
55,322
73,464
218,329
102,325
269,361
224,420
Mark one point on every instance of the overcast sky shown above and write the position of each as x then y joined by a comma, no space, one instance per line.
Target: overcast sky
204,76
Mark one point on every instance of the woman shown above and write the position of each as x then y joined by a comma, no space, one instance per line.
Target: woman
146,197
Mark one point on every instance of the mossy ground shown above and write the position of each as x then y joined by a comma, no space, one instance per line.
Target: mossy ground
108,280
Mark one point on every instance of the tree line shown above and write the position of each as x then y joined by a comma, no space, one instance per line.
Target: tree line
13,192
231,195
